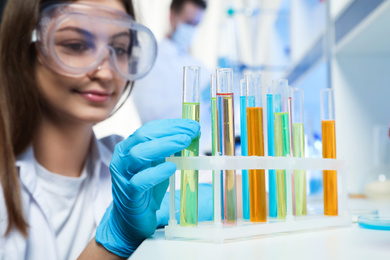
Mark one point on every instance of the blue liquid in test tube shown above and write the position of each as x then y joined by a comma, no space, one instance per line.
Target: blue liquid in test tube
244,150
273,210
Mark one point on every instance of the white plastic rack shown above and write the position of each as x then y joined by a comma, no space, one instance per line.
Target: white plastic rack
218,231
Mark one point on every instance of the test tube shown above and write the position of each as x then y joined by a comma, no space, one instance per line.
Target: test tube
225,106
298,136
189,178
282,141
244,150
214,123
290,188
257,197
272,197
329,151
214,134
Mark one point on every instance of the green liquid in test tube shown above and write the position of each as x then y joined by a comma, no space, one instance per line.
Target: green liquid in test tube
189,178
299,151
282,142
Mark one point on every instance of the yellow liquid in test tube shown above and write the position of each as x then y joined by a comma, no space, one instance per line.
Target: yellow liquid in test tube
229,149
189,178
257,193
329,177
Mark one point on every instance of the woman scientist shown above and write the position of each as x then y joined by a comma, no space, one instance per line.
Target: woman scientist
63,68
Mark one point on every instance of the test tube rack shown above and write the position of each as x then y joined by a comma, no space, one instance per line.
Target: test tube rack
218,231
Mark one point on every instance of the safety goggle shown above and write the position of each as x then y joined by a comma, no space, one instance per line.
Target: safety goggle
75,39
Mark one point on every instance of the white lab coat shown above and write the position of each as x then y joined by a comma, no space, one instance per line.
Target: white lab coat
160,94
40,243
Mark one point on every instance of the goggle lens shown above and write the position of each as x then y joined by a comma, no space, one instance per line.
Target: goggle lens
77,43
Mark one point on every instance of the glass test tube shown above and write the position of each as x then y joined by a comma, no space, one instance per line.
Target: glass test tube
214,123
272,197
214,131
282,140
189,178
298,136
290,188
258,205
244,150
225,107
329,151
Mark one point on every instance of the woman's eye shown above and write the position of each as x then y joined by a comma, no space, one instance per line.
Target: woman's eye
120,51
78,47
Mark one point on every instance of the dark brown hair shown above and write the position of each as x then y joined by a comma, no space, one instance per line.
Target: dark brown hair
20,109
177,5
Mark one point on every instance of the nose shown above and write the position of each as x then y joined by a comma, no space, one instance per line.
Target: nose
103,71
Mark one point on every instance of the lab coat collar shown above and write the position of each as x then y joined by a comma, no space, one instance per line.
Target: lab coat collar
100,152
27,173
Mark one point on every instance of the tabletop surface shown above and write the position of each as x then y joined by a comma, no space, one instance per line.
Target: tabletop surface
351,242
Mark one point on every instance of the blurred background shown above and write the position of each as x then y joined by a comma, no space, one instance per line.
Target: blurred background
315,44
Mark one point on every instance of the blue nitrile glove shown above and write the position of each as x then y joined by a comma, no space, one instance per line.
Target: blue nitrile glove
205,205
139,182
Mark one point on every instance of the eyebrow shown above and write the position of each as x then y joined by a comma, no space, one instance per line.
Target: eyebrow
78,30
90,35
126,34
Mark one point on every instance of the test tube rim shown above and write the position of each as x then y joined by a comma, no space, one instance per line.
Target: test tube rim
194,96
283,91
330,104
302,112
258,88
224,89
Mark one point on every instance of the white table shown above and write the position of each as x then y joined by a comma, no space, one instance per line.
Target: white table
346,243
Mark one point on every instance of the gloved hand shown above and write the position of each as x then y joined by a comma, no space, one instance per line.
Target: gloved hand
139,182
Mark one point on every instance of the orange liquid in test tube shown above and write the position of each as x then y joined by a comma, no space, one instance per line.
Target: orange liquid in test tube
329,177
257,193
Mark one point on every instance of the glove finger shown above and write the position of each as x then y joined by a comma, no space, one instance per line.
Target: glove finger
149,178
160,128
154,150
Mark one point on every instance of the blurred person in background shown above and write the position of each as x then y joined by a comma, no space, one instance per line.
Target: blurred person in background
159,95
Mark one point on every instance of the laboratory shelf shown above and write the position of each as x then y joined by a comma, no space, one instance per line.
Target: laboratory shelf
367,31
353,55
310,59
355,28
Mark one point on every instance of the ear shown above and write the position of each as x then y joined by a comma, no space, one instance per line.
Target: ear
38,53
171,16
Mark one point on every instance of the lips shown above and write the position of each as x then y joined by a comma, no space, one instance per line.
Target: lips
95,96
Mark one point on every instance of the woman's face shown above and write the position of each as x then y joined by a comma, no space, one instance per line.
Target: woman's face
89,98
